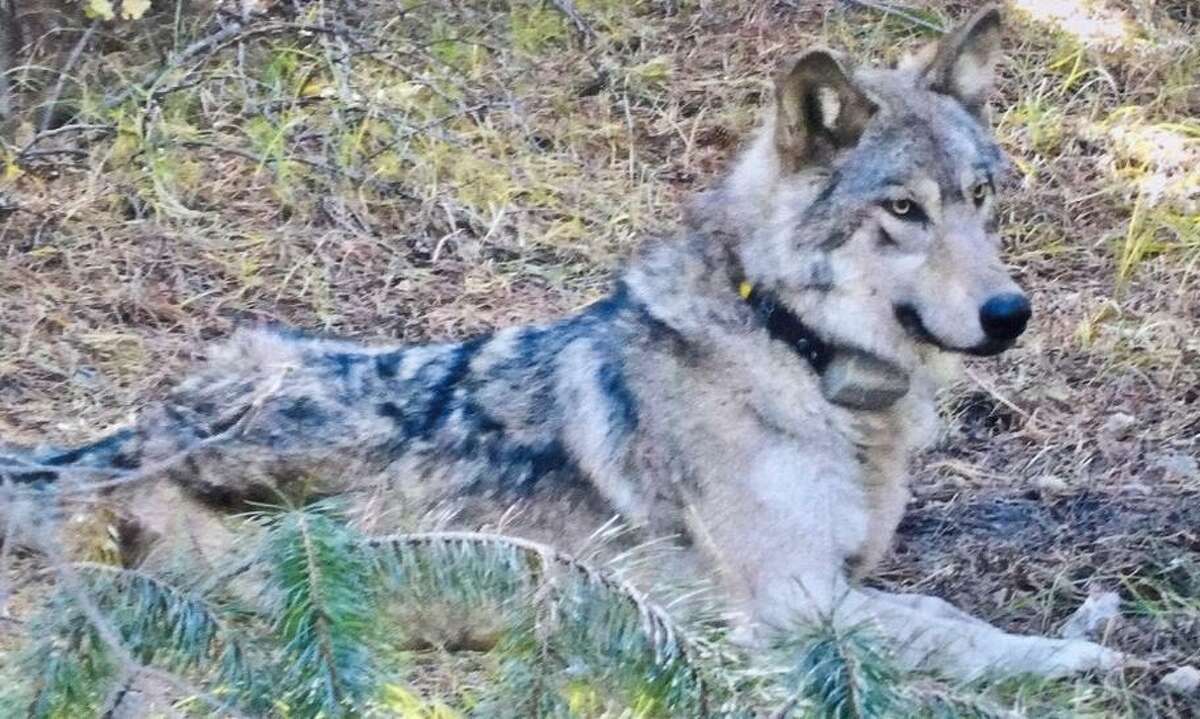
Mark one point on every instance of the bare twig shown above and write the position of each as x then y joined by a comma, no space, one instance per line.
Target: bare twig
338,59
52,152
30,150
996,394
566,7
47,134
60,84
786,710
117,696
8,31
207,46
351,175
12,521
897,12
241,53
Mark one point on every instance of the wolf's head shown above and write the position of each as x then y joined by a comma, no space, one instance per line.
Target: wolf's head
867,202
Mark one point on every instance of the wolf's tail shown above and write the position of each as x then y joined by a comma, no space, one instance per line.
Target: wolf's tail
115,453
202,409
266,410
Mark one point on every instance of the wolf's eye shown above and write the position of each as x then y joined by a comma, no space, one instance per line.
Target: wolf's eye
906,210
980,192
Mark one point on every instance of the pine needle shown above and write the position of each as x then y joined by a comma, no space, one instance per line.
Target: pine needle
585,613
843,674
322,609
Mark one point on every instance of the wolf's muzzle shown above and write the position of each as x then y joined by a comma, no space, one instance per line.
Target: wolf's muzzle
910,319
1004,317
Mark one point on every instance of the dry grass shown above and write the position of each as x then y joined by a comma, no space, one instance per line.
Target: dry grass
449,167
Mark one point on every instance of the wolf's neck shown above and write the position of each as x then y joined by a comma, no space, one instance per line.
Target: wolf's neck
687,282
750,184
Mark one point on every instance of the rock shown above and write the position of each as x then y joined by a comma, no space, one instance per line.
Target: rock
1137,488
1119,424
1184,680
1179,466
1057,391
1093,617
1050,485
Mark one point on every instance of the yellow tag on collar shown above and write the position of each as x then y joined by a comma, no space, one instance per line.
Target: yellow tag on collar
744,289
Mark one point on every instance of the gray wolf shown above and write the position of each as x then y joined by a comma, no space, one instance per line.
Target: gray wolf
753,386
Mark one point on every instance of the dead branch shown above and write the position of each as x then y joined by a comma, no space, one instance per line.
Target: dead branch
898,12
55,94
200,51
567,8
12,41
314,163
8,30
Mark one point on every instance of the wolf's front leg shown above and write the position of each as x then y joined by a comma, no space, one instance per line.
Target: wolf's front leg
784,531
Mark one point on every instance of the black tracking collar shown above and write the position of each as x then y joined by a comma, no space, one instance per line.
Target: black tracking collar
849,377
783,324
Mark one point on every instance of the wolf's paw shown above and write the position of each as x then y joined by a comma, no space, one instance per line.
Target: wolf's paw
1074,656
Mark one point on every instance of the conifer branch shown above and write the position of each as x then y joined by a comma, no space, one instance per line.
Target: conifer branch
169,625
109,624
322,609
669,646
843,674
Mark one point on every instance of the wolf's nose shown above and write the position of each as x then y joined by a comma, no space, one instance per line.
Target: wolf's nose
1004,316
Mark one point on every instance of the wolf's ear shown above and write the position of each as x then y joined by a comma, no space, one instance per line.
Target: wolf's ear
964,66
819,110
